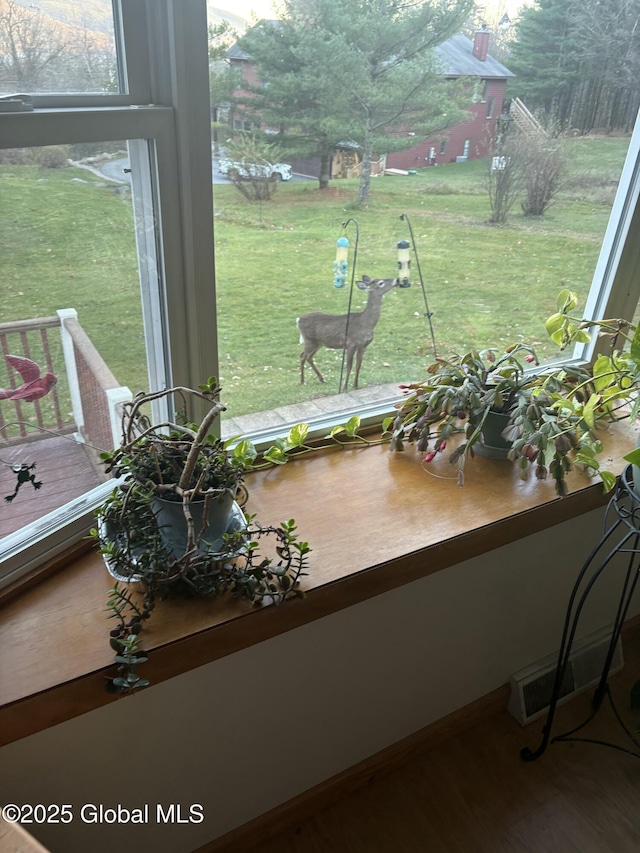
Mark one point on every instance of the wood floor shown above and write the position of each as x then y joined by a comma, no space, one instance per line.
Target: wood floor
474,794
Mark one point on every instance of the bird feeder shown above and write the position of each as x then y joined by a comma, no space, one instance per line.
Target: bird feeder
404,263
340,263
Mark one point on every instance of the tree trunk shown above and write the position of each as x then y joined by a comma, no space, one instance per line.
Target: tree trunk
365,172
325,166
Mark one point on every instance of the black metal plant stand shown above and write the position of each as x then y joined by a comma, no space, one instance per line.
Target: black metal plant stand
621,535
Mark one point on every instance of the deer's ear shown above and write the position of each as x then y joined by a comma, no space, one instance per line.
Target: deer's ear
366,279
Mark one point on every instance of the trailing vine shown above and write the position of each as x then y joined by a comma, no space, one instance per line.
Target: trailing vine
248,574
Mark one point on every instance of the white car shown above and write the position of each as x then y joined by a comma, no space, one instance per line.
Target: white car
273,171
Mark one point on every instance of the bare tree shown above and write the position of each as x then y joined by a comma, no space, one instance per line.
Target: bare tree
505,176
30,47
544,165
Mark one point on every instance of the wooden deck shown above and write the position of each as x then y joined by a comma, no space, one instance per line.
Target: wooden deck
65,469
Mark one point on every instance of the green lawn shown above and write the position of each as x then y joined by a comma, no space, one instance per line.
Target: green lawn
70,244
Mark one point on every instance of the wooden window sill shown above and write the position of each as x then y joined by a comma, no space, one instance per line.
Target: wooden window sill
374,520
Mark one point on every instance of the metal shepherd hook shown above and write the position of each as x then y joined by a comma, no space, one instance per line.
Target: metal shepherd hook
428,314
353,273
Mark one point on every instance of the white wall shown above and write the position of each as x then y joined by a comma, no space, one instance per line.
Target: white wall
248,732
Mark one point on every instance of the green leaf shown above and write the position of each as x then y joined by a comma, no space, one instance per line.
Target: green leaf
589,410
276,456
634,456
352,426
609,480
386,423
602,372
567,300
634,352
245,451
298,435
555,323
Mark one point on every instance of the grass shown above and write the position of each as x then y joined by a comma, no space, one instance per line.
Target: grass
71,244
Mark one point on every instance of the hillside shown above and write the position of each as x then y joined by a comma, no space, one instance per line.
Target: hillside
96,14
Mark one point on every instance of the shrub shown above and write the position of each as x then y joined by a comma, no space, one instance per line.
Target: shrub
50,157
544,165
14,156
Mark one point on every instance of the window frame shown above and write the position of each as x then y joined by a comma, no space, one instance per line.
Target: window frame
162,45
166,110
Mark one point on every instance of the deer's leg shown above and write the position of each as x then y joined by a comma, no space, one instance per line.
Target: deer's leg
359,357
315,369
307,355
348,368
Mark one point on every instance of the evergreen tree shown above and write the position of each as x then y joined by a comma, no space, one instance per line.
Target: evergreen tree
608,37
223,79
579,62
545,60
362,73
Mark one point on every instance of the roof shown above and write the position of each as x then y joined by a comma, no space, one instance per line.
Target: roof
458,60
455,54
235,52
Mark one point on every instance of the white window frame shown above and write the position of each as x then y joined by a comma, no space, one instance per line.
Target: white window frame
166,103
163,49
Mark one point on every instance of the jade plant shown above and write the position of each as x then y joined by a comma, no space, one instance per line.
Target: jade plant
187,466
240,570
552,414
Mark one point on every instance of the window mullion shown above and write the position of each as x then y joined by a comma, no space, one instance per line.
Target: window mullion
132,37
191,305
615,292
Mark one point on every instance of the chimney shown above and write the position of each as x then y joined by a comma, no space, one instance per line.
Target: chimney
481,43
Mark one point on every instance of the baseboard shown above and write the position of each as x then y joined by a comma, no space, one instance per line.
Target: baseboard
321,796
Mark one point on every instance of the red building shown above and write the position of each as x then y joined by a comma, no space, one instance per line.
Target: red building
461,57
470,140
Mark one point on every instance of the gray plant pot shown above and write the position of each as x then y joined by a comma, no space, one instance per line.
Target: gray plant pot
492,444
172,523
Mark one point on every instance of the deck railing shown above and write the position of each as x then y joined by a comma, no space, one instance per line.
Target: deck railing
95,395
23,338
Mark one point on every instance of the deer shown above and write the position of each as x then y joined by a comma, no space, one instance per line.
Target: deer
350,332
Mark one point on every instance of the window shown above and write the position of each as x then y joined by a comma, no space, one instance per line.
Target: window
443,147
483,287
152,237
70,52
242,125
117,249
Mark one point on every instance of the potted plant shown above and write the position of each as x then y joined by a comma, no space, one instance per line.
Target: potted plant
173,524
550,417
620,367
186,473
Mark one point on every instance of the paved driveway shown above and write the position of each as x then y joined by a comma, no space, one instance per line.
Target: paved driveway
115,171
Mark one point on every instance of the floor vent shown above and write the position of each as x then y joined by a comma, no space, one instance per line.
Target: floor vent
531,688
